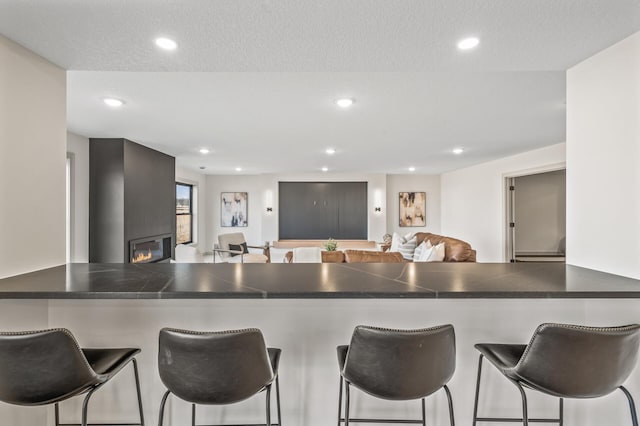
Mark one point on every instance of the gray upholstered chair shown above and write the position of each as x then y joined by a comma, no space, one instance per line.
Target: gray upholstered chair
217,368
233,248
397,365
566,361
47,367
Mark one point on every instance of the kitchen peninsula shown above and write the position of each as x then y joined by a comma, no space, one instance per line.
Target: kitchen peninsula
309,309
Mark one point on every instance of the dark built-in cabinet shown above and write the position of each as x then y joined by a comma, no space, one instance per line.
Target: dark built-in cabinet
322,210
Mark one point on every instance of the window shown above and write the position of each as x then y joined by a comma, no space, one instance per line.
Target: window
184,213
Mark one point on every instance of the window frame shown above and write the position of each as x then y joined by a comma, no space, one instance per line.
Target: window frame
190,212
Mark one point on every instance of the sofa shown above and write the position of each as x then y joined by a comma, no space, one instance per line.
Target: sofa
454,250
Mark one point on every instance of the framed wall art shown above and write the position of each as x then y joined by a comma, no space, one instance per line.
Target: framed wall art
233,209
413,208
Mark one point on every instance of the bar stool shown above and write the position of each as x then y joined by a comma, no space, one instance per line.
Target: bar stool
397,365
566,361
217,368
47,367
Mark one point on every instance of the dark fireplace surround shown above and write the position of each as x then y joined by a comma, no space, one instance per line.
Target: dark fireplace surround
132,202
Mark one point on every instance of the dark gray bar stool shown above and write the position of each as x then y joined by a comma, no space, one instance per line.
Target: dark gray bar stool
398,365
47,367
566,361
217,368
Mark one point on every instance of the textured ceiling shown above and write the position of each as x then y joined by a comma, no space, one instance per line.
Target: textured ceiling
254,81
312,35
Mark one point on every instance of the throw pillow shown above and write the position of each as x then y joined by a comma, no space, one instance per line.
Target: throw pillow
419,251
407,249
426,254
238,247
396,240
437,254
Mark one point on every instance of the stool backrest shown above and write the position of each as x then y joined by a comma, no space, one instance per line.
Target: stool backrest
578,361
401,364
214,367
42,367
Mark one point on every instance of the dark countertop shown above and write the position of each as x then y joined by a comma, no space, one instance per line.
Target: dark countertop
307,281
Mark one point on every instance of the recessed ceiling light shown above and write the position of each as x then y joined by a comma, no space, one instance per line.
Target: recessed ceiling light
330,151
412,169
113,102
166,43
468,43
345,102
458,151
238,169
325,169
204,151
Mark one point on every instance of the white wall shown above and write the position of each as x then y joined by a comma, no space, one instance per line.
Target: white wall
78,151
413,183
32,161
473,198
263,226
603,160
540,212
200,224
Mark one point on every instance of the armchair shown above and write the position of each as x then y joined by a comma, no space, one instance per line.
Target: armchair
233,248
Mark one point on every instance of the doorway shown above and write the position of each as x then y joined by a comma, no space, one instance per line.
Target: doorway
536,217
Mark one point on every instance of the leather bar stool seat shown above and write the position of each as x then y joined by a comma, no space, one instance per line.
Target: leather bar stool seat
217,368
48,366
398,365
565,361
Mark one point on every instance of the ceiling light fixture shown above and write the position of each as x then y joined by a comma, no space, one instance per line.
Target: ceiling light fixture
345,102
238,169
330,151
458,151
325,169
166,43
113,102
468,43
412,169
204,151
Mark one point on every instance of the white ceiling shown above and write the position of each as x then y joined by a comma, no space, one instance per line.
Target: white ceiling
268,72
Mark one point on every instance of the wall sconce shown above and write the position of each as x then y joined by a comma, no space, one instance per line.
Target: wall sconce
269,201
377,199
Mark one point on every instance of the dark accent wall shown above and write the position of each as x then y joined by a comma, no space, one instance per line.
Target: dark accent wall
131,196
322,210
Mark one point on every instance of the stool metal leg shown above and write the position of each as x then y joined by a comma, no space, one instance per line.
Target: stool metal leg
85,405
193,414
137,377
162,404
632,406
278,400
268,405
346,403
450,401
340,401
424,416
525,411
57,414
475,403
561,414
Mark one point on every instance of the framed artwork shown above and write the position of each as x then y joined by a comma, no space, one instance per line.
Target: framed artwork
233,209
413,208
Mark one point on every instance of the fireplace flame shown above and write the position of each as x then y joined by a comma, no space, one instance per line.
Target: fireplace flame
141,257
